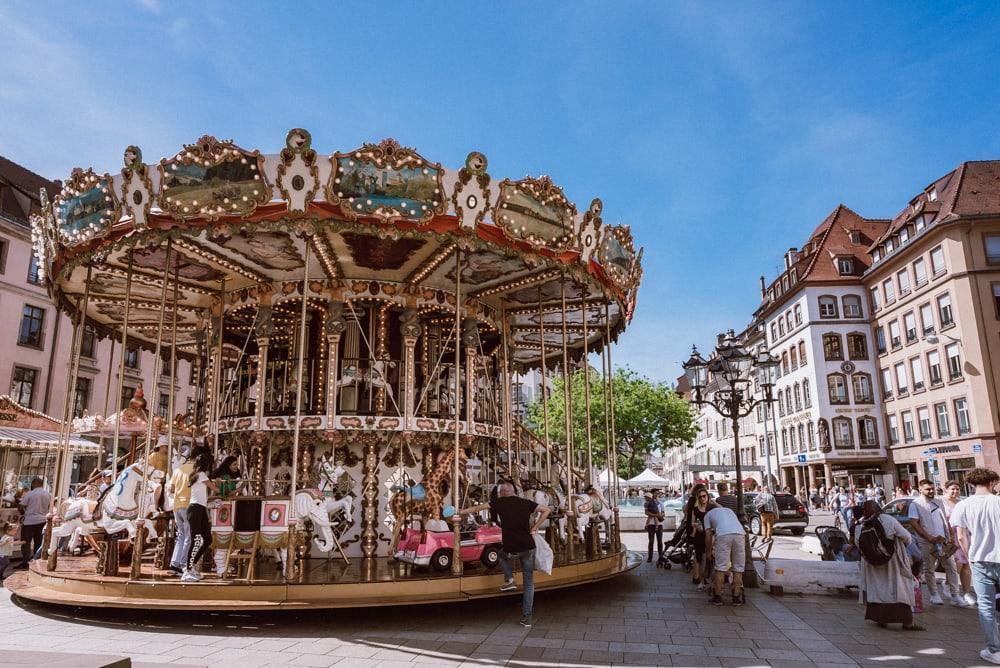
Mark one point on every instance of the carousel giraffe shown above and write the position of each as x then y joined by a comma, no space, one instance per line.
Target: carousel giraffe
402,505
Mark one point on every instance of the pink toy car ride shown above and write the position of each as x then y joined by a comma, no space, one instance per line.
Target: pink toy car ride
434,548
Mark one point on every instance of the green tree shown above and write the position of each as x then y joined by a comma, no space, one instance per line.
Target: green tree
648,416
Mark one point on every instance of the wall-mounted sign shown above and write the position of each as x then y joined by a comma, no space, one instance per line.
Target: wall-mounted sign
977,448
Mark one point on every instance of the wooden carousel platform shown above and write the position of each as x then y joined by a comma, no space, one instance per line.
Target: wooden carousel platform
323,584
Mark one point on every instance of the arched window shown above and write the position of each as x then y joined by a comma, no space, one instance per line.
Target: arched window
857,346
828,307
843,434
784,363
811,435
802,353
784,441
833,348
781,403
798,314
791,439
798,397
852,306
806,397
802,438
867,432
836,383
793,357
861,383
788,400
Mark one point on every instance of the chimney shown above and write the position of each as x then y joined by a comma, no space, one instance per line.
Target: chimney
790,257
763,289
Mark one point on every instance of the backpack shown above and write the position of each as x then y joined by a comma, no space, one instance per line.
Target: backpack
875,546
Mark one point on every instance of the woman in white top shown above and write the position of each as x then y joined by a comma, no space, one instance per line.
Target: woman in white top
952,495
200,525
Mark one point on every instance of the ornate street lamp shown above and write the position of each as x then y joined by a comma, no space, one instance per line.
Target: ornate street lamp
733,368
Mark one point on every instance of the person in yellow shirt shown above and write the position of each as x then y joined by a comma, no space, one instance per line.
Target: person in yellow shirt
180,491
158,458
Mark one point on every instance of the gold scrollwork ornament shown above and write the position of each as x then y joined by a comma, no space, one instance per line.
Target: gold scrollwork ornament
298,175
137,188
471,196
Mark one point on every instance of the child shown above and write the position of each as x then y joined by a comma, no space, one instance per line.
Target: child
7,533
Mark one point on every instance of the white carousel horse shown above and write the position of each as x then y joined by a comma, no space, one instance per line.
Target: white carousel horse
312,505
377,377
549,496
592,507
119,509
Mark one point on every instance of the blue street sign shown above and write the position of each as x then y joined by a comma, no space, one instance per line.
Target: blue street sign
933,451
977,448
802,459
925,453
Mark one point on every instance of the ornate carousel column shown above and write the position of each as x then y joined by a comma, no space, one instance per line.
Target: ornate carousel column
292,561
409,327
121,362
470,338
369,494
545,394
215,339
263,330
586,390
456,555
333,328
568,413
506,406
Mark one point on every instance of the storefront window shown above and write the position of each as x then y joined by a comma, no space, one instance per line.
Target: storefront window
957,468
907,475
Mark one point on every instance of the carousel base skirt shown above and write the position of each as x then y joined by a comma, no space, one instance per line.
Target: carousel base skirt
323,584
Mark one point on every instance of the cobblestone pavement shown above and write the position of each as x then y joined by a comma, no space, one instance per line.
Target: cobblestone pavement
649,617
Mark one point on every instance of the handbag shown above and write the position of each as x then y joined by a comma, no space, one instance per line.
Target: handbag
946,550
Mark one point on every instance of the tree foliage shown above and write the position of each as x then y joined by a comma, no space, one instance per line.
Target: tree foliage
648,416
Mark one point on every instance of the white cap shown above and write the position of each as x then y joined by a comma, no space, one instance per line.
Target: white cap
162,440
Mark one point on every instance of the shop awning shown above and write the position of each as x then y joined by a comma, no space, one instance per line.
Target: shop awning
38,439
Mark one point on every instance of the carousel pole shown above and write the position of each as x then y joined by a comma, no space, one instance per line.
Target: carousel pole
586,391
107,398
568,414
614,441
140,535
545,392
65,429
505,397
298,400
456,556
607,418
216,388
121,364
173,372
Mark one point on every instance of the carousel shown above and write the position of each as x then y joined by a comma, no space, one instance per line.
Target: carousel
355,322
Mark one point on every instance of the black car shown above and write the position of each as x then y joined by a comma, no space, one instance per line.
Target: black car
792,514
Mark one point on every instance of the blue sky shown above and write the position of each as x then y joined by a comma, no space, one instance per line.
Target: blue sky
721,132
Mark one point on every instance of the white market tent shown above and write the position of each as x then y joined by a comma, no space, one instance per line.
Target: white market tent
605,478
646,479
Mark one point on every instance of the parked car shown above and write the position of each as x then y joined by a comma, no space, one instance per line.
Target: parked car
434,548
792,514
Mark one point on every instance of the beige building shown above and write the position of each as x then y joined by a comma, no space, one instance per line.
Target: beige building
934,291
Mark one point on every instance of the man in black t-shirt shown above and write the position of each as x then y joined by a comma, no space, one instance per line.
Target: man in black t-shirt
516,527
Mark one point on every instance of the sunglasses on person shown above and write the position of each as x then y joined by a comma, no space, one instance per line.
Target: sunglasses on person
702,497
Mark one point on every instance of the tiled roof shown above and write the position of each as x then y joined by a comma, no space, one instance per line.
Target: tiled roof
19,191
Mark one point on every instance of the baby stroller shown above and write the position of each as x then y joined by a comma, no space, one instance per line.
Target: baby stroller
678,550
835,544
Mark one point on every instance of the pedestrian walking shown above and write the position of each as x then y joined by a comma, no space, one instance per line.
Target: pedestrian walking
978,521
35,506
952,496
767,506
180,490
517,541
927,520
699,503
886,586
726,542
201,526
655,513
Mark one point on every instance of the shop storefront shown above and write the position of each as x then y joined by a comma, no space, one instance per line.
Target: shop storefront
941,463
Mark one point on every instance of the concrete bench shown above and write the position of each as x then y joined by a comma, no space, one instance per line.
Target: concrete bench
803,576
19,659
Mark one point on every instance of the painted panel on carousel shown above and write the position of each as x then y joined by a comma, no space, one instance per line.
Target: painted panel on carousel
617,256
86,207
589,237
536,211
298,176
137,189
388,182
471,197
211,179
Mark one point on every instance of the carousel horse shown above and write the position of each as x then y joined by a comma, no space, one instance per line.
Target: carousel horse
322,511
115,511
546,495
402,504
592,507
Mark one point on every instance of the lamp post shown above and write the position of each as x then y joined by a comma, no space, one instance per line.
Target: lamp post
731,368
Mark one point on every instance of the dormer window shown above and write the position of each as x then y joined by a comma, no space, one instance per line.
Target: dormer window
845,265
889,247
876,256
855,236
932,195
904,236
920,223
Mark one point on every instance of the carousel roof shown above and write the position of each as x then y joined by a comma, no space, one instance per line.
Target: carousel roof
383,222
26,429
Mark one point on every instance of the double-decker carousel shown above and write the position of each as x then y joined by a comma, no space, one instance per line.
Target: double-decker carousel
355,322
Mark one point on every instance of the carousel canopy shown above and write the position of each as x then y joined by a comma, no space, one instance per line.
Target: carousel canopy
380,223
647,477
